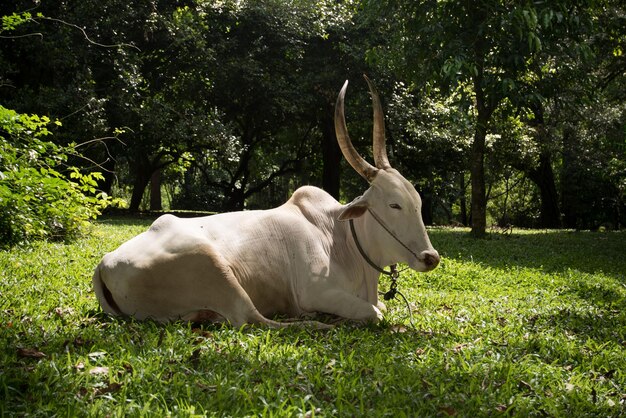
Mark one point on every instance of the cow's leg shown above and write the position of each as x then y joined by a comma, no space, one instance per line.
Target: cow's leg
233,302
193,284
337,301
213,288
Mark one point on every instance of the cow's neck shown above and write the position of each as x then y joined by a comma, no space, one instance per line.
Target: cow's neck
392,270
365,234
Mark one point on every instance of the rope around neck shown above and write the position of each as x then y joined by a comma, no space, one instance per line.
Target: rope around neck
393,269
393,272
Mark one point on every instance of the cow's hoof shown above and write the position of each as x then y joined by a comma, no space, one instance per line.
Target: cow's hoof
379,315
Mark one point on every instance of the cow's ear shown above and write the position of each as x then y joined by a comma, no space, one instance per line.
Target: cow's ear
354,209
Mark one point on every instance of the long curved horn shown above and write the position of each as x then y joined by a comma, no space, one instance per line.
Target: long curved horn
380,150
357,162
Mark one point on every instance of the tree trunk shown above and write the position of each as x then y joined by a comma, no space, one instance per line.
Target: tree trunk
477,166
331,158
143,172
463,200
484,109
543,177
569,186
155,191
427,206
236,200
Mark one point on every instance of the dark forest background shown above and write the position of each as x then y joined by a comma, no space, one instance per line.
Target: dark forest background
500,112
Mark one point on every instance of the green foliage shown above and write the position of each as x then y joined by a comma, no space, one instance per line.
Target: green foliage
552,66
12,21
530,324
434,145
37,200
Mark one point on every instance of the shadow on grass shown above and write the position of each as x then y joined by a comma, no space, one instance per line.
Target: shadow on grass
578,256
551,251
607,327
126,220
354,370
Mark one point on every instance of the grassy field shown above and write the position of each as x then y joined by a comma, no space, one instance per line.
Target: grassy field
531,324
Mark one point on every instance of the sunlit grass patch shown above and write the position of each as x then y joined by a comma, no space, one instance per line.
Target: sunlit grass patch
527,324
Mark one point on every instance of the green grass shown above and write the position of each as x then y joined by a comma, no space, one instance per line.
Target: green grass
531,324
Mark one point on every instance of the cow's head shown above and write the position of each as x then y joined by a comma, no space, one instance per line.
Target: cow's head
391,201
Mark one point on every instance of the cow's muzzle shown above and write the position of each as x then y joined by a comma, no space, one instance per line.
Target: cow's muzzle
430,258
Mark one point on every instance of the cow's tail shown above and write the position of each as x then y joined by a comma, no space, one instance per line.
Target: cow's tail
293,323
104,294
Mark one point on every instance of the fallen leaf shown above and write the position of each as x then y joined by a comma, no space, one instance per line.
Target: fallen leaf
78,342
97,355
207,388
110,388
312,413
202,333
398,329
128,367
459,347
61,312
526,385
448,410
30,353
99,370
82,392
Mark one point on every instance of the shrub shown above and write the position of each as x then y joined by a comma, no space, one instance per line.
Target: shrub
41,197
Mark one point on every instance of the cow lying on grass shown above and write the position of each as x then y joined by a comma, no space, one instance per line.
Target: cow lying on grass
299,258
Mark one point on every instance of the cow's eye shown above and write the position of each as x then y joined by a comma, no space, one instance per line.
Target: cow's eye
395,206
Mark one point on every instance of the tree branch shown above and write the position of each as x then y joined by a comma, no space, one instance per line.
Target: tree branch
21,36
288,166
91,41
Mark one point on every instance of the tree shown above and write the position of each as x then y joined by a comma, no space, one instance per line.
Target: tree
483,47
593,126
428,138
272,102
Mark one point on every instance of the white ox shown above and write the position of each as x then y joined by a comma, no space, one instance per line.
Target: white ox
295,259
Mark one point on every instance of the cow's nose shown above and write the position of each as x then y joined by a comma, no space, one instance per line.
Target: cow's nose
431,258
